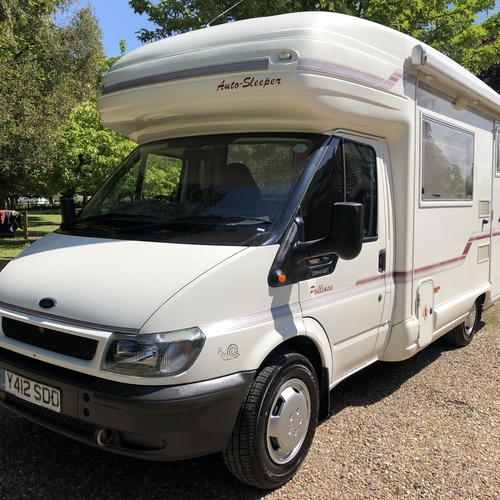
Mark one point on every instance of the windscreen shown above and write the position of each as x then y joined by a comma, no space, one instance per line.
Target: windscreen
230,187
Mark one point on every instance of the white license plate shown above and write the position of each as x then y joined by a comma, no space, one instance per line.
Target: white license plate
29,390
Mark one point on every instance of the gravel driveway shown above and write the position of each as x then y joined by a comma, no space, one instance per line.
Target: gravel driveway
428,427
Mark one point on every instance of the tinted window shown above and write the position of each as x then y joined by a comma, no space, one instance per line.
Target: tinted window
447,162
361,182
348,174
216,189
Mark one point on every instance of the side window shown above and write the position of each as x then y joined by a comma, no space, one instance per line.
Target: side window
447,162
361,182
348,174
325,190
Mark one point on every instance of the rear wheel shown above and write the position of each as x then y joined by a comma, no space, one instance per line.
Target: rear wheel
276,423
462,334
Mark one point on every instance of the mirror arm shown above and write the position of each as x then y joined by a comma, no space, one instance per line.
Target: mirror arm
315,248
68,212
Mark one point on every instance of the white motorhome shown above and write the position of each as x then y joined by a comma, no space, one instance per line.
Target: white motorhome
311,193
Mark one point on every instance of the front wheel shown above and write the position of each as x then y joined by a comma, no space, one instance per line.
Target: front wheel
462,334
276,423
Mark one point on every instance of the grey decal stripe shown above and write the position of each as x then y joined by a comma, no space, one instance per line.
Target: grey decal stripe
342,71
253,319
184,74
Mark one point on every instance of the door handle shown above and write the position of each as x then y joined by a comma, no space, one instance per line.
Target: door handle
381,261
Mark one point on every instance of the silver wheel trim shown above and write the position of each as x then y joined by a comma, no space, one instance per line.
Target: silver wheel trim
470,321
288,421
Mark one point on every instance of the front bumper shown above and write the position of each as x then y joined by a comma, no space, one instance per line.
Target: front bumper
153,422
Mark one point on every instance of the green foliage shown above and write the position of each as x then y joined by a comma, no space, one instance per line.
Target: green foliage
47,69
123,47
87,152
491,76
450,27
9,248
162,175
38,225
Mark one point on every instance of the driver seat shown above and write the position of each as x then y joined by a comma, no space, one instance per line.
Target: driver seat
238,189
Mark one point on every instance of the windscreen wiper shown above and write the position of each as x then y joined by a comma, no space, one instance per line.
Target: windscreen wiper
117,215
222,217
192,218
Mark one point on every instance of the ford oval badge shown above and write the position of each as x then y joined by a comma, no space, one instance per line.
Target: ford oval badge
47,303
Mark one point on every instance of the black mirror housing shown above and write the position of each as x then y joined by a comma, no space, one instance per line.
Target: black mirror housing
347,229
346,234
68,212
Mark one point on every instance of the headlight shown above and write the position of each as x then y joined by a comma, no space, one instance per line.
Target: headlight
158,355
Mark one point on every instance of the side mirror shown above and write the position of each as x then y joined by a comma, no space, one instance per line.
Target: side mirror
347,229
346,234
68,212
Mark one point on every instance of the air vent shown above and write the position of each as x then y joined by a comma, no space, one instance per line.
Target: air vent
484,208
483,254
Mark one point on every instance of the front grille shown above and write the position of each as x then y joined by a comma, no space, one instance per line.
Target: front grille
58,420
52,340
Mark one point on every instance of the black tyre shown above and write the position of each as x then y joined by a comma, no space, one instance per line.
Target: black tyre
276,423
462,334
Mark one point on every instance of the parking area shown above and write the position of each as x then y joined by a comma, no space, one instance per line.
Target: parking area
428,427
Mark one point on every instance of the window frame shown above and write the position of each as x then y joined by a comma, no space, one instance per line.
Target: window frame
342,140
496,139
452,126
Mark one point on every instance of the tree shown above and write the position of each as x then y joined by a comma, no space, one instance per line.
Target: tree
491,76
47,69
450,27
87,153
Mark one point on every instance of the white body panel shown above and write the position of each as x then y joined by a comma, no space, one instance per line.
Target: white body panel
211,75
132,285
336,300
340,76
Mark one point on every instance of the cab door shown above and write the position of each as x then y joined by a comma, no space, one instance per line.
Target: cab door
351,300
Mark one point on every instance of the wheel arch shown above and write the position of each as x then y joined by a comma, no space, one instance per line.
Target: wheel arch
306,346
480,302
462,334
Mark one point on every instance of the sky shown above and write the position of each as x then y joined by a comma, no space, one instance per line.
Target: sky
118,22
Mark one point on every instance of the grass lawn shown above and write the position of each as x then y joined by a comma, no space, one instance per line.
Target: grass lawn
39,224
